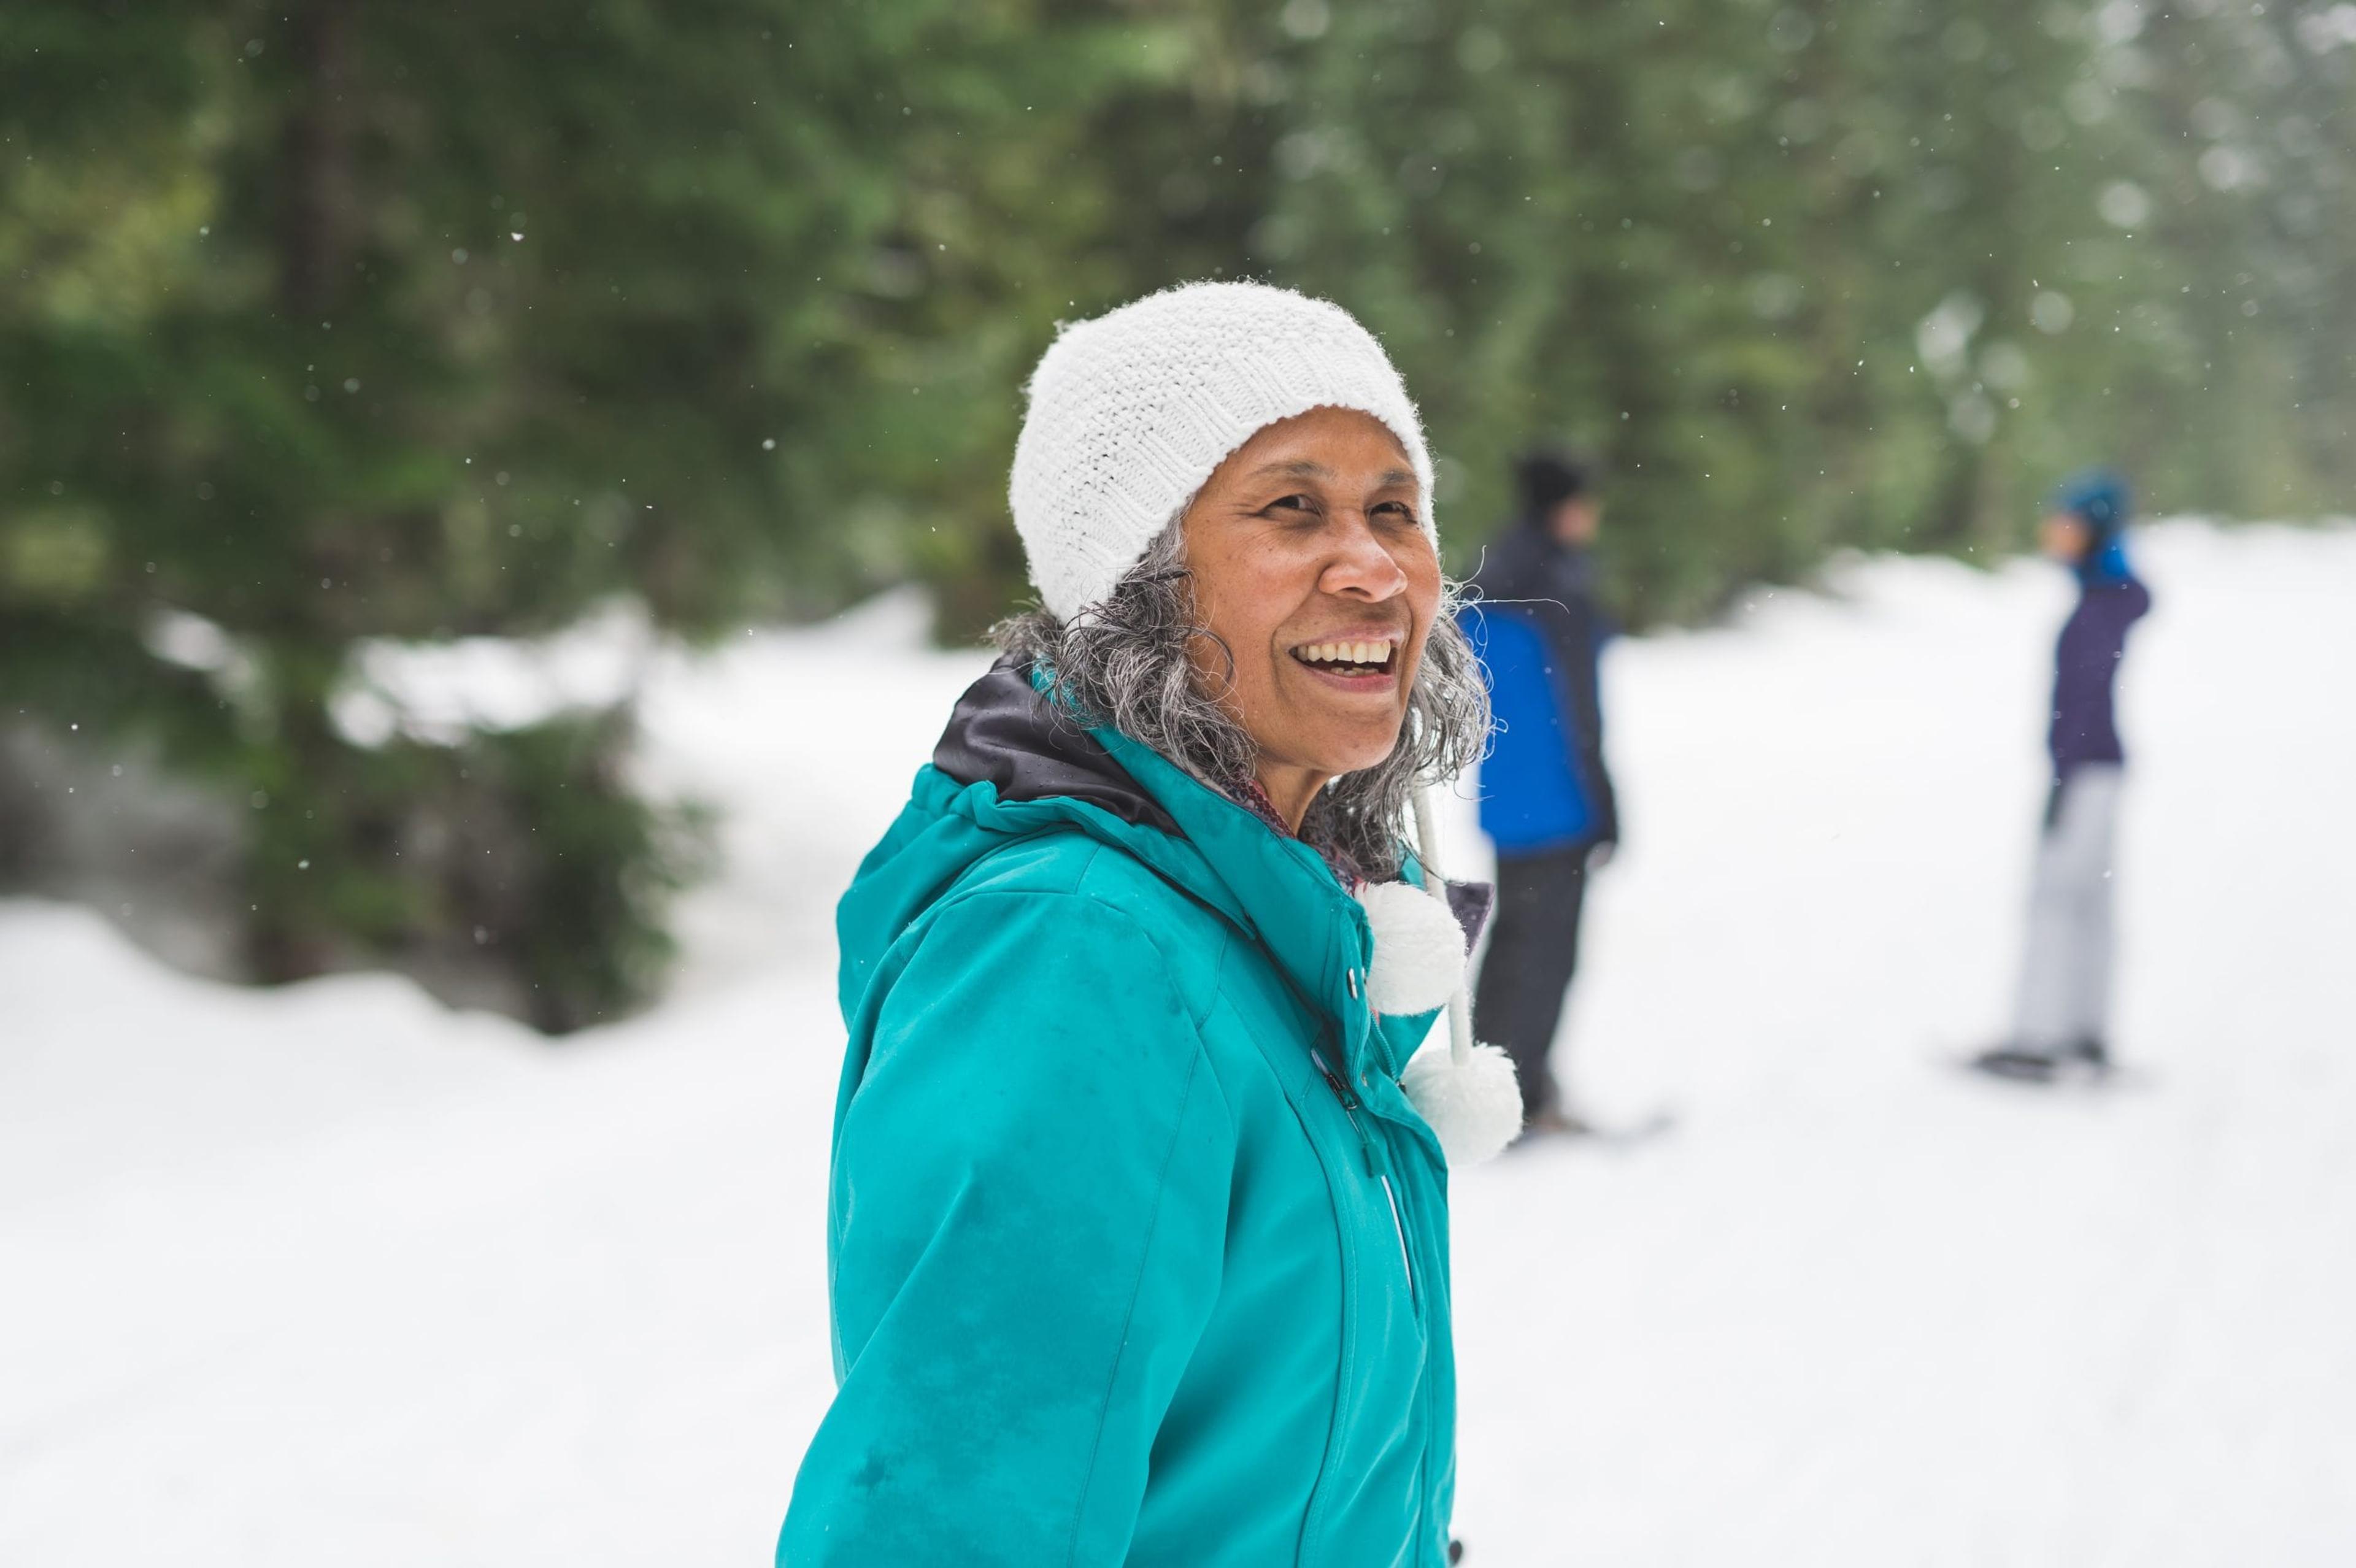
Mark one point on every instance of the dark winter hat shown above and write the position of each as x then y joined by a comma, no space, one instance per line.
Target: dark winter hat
1548,478
2096,496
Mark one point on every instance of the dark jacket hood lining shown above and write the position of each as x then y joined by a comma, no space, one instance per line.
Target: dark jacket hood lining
1005,733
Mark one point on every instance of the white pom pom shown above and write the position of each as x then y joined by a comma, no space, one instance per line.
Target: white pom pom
1418,958
1475,1108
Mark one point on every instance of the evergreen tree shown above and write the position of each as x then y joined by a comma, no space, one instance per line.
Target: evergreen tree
337,322
325,324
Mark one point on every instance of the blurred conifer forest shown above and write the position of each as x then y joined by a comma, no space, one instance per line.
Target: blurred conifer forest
323,321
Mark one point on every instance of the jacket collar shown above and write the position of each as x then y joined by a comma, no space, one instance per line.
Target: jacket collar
1039,759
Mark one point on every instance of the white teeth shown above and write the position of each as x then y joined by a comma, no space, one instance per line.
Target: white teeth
1374,653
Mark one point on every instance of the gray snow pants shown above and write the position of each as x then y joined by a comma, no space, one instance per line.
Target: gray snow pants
2065,976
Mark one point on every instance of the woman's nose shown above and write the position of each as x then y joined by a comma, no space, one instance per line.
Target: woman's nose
1362,565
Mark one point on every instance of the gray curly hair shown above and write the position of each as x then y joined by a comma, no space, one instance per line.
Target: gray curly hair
1124,662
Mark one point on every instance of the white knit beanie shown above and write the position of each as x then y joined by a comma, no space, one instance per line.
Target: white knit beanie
1130,413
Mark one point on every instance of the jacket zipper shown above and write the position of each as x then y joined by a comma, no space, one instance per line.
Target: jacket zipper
1351,1106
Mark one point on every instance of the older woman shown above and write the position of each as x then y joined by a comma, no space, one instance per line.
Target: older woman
1139,1240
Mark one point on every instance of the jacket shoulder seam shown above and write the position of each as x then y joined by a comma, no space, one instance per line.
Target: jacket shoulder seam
1196,1011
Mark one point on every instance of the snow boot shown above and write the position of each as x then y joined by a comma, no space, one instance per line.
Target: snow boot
2026,1064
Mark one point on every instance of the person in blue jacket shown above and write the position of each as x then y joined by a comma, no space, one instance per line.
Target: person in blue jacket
1546,799
1138,1230
2063,1018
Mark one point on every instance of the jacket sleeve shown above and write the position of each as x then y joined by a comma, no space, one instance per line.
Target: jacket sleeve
1607,805
1029,1215
1588,629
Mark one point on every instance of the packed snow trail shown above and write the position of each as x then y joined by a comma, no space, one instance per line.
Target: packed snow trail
330,1274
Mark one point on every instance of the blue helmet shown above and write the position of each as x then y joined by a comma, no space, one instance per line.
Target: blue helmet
2098,496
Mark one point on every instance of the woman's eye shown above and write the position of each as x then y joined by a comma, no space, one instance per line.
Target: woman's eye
1397,511
1289,503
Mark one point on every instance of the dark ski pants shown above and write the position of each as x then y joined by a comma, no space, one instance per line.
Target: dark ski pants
1532,953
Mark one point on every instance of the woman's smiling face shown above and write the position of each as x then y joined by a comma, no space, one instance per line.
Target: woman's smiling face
1310,562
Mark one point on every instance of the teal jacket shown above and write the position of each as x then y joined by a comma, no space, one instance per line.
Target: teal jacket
1138,1254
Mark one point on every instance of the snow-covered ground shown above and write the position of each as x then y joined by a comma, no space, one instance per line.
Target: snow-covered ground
330,1274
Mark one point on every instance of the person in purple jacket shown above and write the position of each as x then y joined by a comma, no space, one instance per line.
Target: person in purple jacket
2062,1024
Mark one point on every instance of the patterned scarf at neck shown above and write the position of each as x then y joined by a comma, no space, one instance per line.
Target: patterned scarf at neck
1247,794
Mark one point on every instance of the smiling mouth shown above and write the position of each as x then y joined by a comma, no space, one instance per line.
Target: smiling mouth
1360,656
